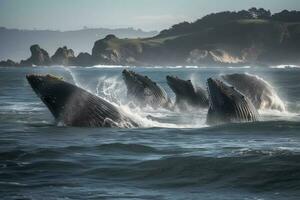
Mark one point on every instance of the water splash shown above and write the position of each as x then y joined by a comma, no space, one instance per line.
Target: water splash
114,91
111,88
262,93
284,66
72,75
272,101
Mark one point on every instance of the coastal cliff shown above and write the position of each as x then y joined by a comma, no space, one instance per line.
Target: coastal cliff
252,37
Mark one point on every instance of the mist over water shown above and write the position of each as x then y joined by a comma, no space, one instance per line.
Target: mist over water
173,155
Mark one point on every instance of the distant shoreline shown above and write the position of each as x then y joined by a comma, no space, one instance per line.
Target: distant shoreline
253,37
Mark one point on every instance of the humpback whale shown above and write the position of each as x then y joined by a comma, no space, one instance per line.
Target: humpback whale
187,94
227,105
74,106
143,91
260,92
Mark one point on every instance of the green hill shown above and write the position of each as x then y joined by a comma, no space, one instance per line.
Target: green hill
245,37
252,37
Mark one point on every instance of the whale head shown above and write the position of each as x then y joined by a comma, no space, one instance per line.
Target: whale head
74,106
228,105
129,76
179,86
144,91
52,90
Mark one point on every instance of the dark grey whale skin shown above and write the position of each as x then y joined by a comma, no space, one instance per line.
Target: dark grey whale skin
74,106
143,91
187,94
256,89
227,105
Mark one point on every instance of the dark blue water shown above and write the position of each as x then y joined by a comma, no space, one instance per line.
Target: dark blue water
173,156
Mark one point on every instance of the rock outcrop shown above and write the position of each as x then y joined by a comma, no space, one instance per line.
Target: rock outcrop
8,63
83,59
253,37
113,50
38,57
63,56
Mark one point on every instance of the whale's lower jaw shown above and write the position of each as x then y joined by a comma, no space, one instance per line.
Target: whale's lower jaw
227,105
145,92
186,93
74,106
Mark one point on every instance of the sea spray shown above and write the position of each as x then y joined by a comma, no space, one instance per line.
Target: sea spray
71,73
197,81
112,88
276,102
258,90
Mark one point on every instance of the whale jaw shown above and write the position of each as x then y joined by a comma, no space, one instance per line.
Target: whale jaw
187,94
228,105
145,92
74,106
52,91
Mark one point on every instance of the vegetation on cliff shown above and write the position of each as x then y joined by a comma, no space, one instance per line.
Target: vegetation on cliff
247,37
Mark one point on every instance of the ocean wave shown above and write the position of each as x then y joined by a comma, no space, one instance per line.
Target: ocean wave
252,171
255,128
120,147
22,106
284,66
109,66
259,169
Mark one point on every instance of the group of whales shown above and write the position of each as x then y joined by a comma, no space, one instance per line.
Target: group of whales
235,98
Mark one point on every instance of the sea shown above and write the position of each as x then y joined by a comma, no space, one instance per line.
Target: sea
172,155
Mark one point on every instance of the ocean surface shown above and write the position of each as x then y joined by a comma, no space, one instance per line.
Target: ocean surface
174,155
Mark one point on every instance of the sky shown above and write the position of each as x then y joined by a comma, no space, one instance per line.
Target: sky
144,14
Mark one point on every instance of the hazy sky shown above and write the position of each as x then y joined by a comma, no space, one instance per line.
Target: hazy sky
145,14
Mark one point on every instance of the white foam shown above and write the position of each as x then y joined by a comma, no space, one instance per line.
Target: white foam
276,113
108,66
72,74
284,66
242,67
22,107
113,90
191,67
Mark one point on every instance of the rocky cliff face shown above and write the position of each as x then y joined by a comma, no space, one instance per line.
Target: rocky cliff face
253,37
240,42
38,57
63,56
83,59
8,63
112,50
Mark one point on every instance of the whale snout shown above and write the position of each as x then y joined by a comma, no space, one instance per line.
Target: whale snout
34,79
170,79
37,82
126,72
